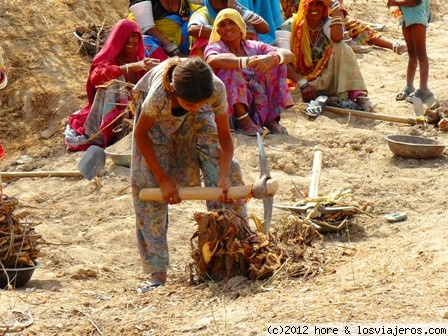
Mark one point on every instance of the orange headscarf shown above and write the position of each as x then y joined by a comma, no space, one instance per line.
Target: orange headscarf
301,45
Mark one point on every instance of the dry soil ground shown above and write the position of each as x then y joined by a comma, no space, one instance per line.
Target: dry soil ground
375,272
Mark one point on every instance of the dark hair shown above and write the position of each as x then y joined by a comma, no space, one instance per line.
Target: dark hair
192,78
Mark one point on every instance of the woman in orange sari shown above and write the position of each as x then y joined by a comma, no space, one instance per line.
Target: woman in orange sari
324,64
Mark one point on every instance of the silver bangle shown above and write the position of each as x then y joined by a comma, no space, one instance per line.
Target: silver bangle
302,83
281,57
127,68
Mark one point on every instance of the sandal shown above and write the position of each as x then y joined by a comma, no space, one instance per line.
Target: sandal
147,286
343,103
275,128
426,98
404,94
399,48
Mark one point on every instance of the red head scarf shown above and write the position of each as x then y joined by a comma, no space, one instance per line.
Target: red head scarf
115,42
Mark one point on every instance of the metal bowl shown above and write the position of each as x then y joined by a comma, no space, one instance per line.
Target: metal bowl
416,147
18,277
120,159
87,47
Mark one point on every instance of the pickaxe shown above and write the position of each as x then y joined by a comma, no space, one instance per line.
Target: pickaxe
264,188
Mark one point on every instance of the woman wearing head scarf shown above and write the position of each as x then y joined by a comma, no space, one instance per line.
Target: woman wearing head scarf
181,130
324,64
359,35
121,58
254,74
201,23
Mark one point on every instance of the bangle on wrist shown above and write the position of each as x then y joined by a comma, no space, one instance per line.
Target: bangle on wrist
200,30
334,5
127,68
303,86
171,49
302,83
281,58
242,62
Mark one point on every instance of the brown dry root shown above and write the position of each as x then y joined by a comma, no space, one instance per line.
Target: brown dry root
18,243
437,114
94,33
227,246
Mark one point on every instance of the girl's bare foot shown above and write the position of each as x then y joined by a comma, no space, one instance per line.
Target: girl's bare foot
365,103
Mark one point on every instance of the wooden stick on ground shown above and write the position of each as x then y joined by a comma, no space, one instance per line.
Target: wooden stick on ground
377,116
6,175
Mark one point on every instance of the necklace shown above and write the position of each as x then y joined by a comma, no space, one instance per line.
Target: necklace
314,31
123,62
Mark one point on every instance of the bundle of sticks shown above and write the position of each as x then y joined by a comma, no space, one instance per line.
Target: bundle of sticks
19,244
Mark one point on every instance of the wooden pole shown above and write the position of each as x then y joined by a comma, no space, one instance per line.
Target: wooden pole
6,175
370,115
207,193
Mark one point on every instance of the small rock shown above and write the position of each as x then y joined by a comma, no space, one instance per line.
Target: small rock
289,168
82,274
396,217
24,159
45,152
25,167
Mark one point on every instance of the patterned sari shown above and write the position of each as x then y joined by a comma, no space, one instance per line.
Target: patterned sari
330,68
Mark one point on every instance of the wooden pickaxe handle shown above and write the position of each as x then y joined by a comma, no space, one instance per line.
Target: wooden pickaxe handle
315,177
314,185
207,193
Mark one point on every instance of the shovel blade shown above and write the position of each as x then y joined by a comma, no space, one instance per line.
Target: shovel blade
93,159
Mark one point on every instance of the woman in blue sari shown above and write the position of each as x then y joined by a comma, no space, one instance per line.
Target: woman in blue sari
164,25
269,10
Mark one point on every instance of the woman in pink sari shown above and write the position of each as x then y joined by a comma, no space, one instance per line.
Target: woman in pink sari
121,59
253,72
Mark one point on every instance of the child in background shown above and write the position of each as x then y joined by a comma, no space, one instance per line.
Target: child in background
416,18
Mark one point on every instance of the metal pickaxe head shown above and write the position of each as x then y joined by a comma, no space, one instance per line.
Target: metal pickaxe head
265,187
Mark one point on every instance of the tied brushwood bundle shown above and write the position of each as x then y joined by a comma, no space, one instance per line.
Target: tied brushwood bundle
224,246
19,244
227,247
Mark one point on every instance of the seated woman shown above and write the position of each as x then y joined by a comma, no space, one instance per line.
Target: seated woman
121,58
164,24
253,72
362,34
324,65
201,23
359,35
